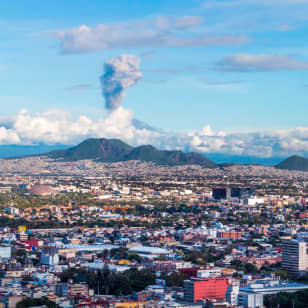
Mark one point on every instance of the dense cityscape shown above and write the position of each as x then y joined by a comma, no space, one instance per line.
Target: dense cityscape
153,154
135,234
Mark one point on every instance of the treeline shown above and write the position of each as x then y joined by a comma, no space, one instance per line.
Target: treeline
245,267
287,300
33,224
111,283
53,223
175,279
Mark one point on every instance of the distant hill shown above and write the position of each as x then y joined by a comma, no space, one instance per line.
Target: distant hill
107,150
294,163
224,158
114,150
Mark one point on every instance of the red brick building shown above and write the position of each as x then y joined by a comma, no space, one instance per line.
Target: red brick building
230,235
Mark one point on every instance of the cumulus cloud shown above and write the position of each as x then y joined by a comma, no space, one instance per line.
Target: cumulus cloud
53,127
8,136
119,74
48,127
160,32
259,144
263,62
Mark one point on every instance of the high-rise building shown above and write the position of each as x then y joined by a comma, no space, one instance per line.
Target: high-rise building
242,192
295,257
234,192
210,288
221,193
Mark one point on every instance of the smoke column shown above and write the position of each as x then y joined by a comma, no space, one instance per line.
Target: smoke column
119,74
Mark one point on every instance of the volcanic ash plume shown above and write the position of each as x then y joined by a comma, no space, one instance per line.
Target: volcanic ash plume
120,74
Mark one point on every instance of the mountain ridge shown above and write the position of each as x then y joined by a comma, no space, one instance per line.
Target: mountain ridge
115,150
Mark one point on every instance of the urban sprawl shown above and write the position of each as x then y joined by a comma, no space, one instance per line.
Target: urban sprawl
137,235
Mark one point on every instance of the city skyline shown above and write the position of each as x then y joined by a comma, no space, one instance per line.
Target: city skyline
212,76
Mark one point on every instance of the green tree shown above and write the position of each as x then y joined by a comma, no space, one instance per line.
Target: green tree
175,279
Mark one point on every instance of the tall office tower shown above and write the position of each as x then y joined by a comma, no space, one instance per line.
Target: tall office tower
295,257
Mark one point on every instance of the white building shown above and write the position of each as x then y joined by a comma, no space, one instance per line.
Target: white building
253,201
250,300
232,295
50,257
206,273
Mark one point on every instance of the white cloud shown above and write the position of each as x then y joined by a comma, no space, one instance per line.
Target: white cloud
8,136
263,62
161,32
49,127
53,127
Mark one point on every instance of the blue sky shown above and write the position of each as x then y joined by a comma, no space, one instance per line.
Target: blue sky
239,66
